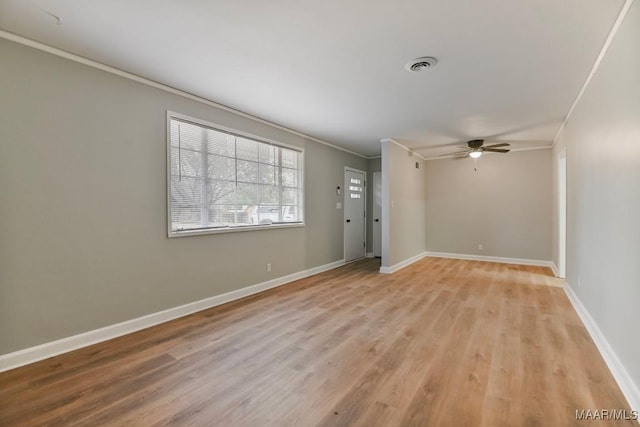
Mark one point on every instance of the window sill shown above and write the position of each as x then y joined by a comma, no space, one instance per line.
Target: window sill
186,233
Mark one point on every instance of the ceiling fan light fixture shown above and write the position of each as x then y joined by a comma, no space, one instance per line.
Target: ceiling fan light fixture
475,154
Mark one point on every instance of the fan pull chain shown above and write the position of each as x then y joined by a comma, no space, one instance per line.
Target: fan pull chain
475,165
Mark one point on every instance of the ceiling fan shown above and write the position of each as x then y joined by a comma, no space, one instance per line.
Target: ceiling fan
477,147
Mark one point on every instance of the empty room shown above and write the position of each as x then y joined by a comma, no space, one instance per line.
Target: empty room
409,213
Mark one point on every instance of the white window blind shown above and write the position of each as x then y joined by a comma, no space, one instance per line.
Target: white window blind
221,180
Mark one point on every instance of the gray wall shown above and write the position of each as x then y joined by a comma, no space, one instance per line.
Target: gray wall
403,204
602,139
83,220
505,205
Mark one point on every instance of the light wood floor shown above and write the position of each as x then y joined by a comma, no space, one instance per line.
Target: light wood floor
440,343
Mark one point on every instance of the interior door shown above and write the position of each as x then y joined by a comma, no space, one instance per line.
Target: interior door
377,214
354,215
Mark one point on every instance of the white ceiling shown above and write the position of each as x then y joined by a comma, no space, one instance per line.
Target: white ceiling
508,70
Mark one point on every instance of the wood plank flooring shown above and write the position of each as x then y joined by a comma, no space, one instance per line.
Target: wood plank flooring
440,343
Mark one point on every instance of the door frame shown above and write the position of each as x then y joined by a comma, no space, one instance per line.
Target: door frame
345,192
562,213
373,213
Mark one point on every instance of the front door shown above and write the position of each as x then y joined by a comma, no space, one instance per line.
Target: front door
354,214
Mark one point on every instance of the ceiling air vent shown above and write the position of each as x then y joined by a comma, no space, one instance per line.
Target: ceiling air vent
421,64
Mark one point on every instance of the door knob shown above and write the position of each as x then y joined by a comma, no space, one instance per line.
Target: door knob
348,220
376,220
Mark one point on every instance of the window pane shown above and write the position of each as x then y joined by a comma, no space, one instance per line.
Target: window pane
188,136
246,149
266,153
290,213
221,192
289,177
186,191
243,215
267,174
269,195
175,161
247,171
186,197
289,158
221,168
189,163
221,143
264,214
222,215
247,194
289,196
174,133
222,180
185,217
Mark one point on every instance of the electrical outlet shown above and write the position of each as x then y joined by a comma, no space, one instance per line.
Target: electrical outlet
480,246
268,267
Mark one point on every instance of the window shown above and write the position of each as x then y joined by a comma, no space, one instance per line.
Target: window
221,180
355,190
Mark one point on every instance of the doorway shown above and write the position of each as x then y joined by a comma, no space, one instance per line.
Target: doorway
354,214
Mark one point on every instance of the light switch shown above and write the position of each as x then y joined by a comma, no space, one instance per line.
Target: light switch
338,205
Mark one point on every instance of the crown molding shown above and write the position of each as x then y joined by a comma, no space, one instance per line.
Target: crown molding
393,141
603,51
157,85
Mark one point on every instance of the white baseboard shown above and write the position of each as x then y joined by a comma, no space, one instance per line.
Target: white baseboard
369,255
402,264
625,382
64,345
519,261
554,269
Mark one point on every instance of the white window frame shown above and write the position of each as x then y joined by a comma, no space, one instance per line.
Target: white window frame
231,229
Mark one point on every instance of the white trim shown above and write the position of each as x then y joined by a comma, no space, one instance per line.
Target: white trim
402,264
125,74
561,200
518,261
628,387
603,51
64,345
386,211
554,268
349,168
403,146
233,229
344,210
224,129
369,255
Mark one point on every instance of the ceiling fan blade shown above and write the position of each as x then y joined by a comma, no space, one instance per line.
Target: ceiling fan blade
456,153
502,144
495,150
